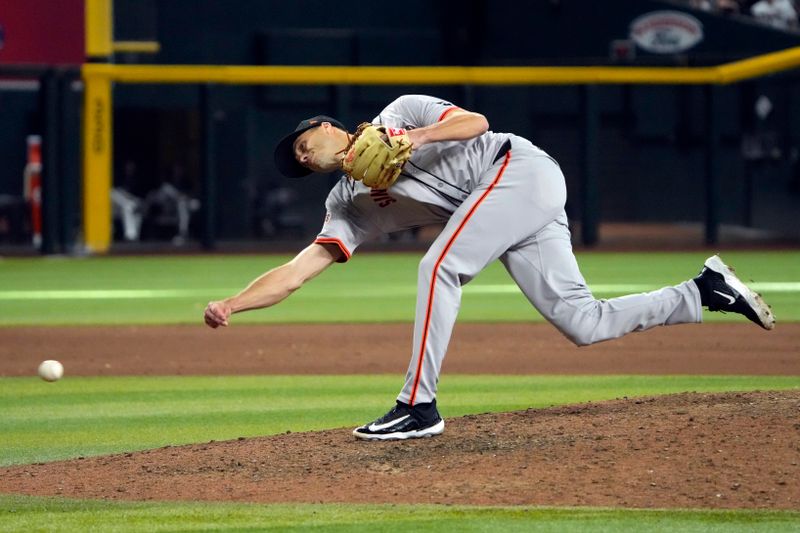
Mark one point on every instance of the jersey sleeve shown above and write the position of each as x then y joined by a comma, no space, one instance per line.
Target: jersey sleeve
344,226
415,111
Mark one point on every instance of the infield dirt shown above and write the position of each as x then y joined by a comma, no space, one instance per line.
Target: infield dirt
729,349
733,450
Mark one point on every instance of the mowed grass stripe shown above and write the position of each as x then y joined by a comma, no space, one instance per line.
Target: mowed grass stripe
370,288
99,415
381,291
24,514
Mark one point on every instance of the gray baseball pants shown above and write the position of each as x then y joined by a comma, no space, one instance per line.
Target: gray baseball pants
517,214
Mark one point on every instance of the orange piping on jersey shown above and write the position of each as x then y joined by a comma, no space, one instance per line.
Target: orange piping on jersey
436,271
446,112
337,242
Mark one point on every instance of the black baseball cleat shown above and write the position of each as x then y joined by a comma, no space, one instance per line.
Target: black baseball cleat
404,422
721,290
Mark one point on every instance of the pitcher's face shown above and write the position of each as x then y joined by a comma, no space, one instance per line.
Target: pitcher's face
318,148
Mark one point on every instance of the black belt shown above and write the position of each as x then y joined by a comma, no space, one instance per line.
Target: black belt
503,151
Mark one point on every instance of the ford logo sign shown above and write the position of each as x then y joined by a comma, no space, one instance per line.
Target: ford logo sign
666,32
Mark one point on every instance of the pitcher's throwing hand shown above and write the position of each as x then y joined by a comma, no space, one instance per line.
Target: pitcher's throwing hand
217,314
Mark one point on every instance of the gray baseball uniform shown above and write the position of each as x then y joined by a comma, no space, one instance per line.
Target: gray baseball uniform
499,197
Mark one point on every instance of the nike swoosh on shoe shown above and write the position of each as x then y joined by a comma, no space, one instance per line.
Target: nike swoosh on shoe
752,298
728,297
380,427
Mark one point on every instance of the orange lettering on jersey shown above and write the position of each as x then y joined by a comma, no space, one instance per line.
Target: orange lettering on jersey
381,197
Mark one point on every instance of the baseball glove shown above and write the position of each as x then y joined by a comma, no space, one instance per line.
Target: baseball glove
376,155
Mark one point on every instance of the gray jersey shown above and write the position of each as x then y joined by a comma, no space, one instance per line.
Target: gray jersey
435,181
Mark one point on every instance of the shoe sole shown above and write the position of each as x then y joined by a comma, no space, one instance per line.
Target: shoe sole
752,298
432,431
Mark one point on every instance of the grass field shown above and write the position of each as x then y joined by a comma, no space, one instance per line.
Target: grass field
169,290
50,514
89,416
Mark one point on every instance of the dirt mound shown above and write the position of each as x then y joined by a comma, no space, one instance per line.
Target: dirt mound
734,450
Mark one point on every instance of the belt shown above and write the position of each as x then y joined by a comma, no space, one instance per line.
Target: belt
503,151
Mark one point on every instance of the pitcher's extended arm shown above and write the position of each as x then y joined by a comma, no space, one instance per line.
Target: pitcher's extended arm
274,286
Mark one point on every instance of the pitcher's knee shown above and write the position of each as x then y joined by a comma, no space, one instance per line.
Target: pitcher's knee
581,338
581,321
444,268
580,333
426,266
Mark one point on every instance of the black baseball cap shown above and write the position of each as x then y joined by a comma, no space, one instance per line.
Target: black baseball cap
284,151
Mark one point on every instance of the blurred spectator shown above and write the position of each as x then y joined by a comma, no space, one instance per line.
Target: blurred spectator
703,5
782,14
726,7
277,211
170,208
127,209
777,13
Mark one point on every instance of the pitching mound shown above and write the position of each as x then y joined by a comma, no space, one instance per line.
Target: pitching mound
734,450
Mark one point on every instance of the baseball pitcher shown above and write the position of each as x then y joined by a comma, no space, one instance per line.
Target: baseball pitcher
425,161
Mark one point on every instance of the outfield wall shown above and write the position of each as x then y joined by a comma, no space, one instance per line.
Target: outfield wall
651,141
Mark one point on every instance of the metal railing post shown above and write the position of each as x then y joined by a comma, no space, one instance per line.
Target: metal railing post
589,163
50,127
209,167
712,166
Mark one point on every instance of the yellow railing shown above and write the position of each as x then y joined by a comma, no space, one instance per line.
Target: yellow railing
310,75
98,104
297,75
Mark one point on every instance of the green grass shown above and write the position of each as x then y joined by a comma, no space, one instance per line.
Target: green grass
99,415
114,290
24,514
92,416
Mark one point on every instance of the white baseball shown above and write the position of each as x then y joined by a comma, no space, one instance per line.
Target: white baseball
51,370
